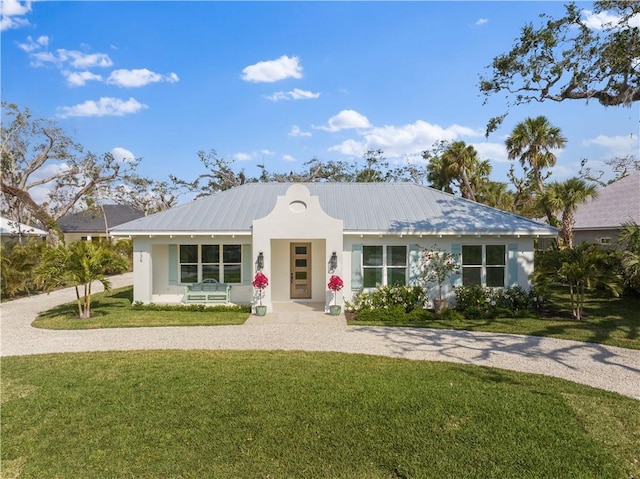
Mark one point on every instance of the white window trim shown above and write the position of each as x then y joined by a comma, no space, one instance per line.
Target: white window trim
483,266
200,263
384,264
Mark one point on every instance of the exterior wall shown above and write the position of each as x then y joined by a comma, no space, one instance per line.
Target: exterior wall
606,238
522,256
297,216
151,268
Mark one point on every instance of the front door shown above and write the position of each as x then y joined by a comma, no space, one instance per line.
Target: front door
300,267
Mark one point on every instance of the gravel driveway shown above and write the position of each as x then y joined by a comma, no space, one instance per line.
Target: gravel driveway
605,367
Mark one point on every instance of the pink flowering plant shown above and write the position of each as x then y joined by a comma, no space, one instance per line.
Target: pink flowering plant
437,266
335,284
260,282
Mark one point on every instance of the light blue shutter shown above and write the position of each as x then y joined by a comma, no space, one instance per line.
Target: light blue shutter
414,264
456,250
173,264
247,261
356,267
512,262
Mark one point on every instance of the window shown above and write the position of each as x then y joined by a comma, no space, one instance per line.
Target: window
484,265
220,262
384,265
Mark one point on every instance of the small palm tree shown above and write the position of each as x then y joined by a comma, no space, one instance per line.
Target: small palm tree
565,197
629,243
80,264
581,268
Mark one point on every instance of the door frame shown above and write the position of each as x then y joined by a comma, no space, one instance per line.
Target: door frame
293,269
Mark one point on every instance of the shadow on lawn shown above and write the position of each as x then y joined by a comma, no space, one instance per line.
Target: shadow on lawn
474,348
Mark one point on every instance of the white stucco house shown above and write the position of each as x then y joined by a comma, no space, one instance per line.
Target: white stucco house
298,235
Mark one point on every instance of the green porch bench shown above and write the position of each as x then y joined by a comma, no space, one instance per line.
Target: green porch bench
209,291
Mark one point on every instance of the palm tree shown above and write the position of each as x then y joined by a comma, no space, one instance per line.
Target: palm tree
531,142
460,162
582,268
565,197
629,242
497,195
79,264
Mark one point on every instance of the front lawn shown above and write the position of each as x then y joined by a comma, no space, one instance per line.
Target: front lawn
194,414
609,320
115,311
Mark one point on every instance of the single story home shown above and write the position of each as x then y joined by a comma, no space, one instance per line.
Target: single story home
298,235
11,230
94,224
599,220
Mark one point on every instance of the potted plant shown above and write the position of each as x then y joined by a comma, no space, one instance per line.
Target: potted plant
437,266
335,284
260,282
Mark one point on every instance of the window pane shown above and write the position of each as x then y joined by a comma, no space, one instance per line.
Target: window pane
188,253
396,276
189,273
470,276
372,277
301,275
300,250
210,253
232,273
301,263
211,271
472,254
495,254
372,255
232,253
495,276
396,255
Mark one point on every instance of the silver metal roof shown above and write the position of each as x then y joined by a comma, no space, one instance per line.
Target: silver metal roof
364,207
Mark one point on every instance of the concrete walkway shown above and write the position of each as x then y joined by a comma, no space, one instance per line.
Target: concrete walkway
605,367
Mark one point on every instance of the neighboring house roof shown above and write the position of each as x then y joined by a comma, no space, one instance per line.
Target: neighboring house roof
12,228
93,221
364,207
616,204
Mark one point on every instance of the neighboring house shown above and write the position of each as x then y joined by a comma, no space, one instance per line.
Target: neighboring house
299,234
11,230
599,220
94,224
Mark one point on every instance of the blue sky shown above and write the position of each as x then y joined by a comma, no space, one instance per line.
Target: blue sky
281,83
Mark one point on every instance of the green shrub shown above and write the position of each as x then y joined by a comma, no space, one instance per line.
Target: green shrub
478,302
139,306
388,297
451,315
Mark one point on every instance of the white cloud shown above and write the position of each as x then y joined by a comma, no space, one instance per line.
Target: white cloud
602,20
295,94
80,78
103,107
73,58
492,151
122,155
345,120
31,45
12,13
138,78
615,146
482,21
242,157
288,158
397,141
273,70
296,131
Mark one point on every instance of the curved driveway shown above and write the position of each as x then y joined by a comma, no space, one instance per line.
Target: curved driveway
605,367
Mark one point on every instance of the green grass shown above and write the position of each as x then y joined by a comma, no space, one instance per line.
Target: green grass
115,311
194,414
611,321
